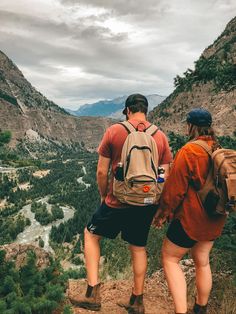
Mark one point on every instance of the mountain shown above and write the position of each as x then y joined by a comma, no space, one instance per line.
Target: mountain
212,85
103,107
31,116
112,108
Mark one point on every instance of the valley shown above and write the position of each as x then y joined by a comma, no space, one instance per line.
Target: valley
48,189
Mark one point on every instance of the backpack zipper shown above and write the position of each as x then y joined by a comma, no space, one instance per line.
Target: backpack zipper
140,181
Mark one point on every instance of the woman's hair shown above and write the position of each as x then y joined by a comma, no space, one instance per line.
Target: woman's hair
195,131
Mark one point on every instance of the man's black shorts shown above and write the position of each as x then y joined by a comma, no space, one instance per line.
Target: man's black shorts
133,222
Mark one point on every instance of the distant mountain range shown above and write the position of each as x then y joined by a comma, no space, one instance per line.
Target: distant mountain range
112,108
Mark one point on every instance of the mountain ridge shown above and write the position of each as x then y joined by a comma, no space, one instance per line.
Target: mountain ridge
212,85
23,109
112,108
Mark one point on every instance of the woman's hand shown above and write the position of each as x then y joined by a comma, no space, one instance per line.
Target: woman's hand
103,199
159,219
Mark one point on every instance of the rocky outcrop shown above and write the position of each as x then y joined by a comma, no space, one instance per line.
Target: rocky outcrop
18,253
211,85
156,296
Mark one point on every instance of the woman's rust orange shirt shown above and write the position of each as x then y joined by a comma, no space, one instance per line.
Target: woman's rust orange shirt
180,199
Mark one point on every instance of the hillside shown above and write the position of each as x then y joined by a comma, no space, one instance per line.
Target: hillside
212,85
112,108
31,116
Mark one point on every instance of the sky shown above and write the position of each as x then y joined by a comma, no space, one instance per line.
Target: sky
78,52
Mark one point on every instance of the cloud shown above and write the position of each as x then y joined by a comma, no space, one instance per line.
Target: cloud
76,52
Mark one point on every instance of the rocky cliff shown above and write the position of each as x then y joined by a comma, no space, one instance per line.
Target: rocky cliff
29,115
212,85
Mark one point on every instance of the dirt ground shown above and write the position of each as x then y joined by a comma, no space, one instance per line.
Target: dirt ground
156,298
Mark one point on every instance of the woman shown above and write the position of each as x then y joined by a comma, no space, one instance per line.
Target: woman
191,227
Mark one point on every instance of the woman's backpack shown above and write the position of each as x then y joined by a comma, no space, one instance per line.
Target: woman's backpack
218,195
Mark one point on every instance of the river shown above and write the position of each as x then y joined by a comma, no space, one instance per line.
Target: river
32,233
35,230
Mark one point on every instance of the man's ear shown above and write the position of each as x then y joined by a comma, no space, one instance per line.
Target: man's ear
127,114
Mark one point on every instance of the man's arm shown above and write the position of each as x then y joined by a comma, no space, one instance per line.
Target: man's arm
167,169
102,176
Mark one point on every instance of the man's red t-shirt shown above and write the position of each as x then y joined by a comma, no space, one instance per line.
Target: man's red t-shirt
111,147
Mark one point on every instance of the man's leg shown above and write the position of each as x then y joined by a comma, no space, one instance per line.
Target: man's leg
139,262
92,256
92,298
136,235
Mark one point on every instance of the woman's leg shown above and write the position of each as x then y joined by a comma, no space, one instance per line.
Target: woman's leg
200,253
171,255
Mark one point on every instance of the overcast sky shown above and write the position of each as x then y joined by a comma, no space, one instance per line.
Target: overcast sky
76,52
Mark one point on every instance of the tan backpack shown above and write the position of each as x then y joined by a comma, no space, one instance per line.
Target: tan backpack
135,182
218,195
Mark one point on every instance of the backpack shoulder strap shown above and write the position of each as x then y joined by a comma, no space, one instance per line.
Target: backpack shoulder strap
204,145
208,150
128,126
151,130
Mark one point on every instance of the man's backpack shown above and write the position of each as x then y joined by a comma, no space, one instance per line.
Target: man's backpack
137,183
218,195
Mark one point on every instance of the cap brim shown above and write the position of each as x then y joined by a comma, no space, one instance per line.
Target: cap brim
124,111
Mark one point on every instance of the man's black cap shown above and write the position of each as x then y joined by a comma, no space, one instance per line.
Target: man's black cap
133,100
199,117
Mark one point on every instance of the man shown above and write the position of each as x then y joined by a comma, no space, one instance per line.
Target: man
113,217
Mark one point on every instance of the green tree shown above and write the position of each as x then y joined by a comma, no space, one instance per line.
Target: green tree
5,137
57,212
41,243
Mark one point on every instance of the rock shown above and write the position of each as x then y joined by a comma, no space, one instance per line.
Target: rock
18,253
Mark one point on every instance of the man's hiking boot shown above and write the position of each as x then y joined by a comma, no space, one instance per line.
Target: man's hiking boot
199,309
91,301
134,305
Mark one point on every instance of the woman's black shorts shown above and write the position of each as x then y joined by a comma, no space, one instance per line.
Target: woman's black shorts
133,222
178,236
